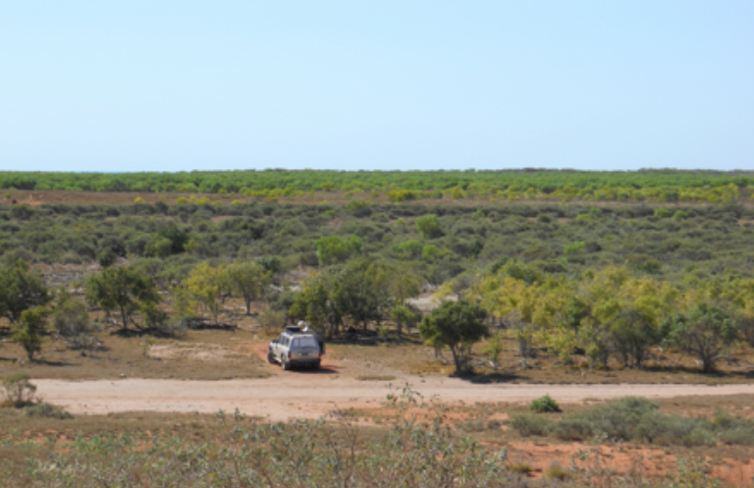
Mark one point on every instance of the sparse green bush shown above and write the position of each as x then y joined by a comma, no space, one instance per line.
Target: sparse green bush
17,390
530,425
680,215
544,404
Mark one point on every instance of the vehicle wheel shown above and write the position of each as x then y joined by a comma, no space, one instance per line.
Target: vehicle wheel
270,358
316,365
286,365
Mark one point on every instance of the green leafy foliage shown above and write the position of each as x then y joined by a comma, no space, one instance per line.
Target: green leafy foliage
70,320
456,325
122,289
20,290
544,404
334,249
429,226
703,332
248,280
30,329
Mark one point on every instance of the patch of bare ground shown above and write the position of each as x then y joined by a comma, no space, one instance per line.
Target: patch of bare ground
198,355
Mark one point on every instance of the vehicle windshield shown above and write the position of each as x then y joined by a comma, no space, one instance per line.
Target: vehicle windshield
305,342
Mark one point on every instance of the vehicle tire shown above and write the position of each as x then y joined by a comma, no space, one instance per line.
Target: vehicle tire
270,358
286,365
316,365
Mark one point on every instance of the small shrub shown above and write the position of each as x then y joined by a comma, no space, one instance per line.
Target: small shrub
557,472
544,404
47,410
106,258
18,390
662,213
529,425
521,468
680,215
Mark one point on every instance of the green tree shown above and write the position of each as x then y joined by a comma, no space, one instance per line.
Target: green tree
208,283
704,332
362,291
30,328
122,289
634,333
456,325
20,290
315,302
404,314
429,226
249,280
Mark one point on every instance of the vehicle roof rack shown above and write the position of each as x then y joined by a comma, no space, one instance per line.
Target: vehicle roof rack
293,329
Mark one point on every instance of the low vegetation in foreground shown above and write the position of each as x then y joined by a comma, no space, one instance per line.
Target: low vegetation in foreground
414,443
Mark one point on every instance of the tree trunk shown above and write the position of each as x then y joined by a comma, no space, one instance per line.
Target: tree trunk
457,359
123,318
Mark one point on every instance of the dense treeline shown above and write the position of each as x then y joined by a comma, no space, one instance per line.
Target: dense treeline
510,185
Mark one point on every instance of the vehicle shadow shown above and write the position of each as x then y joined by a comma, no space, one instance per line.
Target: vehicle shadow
322,370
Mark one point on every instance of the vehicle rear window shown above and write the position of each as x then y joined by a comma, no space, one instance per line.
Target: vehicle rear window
305,342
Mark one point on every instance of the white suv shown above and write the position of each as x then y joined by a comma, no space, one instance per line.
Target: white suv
295,347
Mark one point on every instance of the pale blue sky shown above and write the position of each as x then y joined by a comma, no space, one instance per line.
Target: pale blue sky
181,85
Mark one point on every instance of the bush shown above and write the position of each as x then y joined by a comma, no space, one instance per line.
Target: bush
106,258
47,410
557,472
662,213
544,404
18,390
529,425
521,468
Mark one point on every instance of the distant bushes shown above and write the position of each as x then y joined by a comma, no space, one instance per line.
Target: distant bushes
669,186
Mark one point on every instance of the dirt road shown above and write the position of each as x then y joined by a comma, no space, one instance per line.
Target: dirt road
309,395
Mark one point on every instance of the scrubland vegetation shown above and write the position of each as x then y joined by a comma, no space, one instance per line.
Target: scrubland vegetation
527,268
599,284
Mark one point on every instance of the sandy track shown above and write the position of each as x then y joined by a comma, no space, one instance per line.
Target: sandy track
309,395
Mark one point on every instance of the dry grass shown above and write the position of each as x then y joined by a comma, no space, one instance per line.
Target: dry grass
541,458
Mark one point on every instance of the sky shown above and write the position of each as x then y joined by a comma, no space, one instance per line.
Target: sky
364,85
